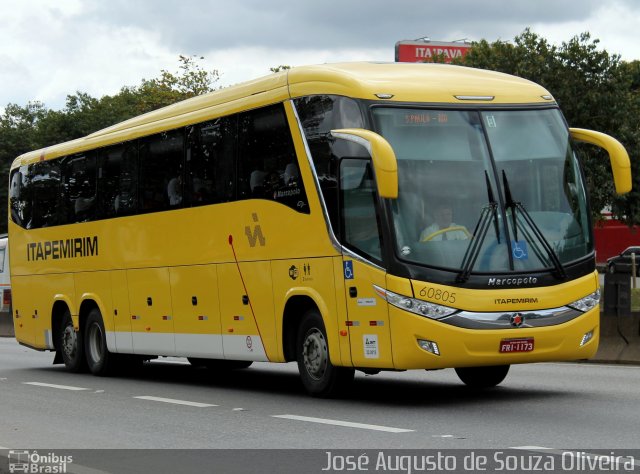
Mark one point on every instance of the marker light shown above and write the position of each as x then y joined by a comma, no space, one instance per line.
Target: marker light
486,98
586,338
587,303
429,346
419,307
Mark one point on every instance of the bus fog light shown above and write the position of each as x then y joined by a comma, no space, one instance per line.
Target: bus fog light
429,346
586,338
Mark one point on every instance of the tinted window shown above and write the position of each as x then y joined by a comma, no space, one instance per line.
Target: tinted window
79,187
160,178
210,159
249,155
20,196
360,226
268,166
45,184
319,115
118,180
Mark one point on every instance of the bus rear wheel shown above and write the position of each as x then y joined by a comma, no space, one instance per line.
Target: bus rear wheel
319,376
99,359
71,345
482,377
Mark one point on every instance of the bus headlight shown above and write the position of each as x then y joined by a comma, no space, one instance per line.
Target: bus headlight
422,308
587,303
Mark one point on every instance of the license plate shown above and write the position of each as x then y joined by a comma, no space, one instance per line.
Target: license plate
516,345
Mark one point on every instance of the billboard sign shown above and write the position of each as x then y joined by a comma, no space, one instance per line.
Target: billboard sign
425,51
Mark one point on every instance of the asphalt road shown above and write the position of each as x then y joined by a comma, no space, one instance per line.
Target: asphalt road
170,405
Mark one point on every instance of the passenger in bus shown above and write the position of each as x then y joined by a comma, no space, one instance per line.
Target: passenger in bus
83,205
291,174
201,190
444,228
174,190
256,182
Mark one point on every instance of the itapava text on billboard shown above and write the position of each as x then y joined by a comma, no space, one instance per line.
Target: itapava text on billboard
425,51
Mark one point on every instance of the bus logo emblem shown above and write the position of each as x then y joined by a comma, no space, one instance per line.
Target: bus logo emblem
255,236
293,272
517,320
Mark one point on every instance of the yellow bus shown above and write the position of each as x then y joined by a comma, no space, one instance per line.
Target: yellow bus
348,217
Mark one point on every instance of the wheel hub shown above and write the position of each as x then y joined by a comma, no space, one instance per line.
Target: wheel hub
69,341
315,354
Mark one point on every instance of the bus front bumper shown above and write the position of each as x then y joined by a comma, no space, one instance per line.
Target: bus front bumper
423,343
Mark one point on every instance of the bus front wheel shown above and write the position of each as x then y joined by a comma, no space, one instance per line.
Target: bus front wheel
319,376
482,377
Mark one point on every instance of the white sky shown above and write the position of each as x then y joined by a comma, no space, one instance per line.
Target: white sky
51,48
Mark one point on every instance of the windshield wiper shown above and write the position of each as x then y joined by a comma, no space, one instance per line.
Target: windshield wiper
479,234
510,203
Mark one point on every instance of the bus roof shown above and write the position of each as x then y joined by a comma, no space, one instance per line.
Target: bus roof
400,82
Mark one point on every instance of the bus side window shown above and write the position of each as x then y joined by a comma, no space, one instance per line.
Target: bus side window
117,180
79,187
361,229
46,184
210,161
20,196
268,165
319,114
160,161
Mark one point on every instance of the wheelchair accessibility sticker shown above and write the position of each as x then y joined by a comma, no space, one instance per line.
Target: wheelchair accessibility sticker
348,269
519,250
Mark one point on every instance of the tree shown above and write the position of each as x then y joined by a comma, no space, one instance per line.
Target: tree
280,68
594,90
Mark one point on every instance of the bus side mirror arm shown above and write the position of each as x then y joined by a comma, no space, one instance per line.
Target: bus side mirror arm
620,164
383,156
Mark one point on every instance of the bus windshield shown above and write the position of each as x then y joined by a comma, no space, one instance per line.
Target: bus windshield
486,191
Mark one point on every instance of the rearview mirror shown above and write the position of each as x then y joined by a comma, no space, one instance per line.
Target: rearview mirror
620,164
382,155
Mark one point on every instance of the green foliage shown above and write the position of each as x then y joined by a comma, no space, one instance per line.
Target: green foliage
280,68
594,89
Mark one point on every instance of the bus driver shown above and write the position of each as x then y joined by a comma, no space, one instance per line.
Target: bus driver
444,228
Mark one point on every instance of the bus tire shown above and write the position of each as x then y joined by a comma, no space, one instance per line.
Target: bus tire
482,377
319,376
99,360
219,364
71,345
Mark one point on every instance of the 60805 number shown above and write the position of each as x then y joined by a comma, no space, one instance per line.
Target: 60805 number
437,294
